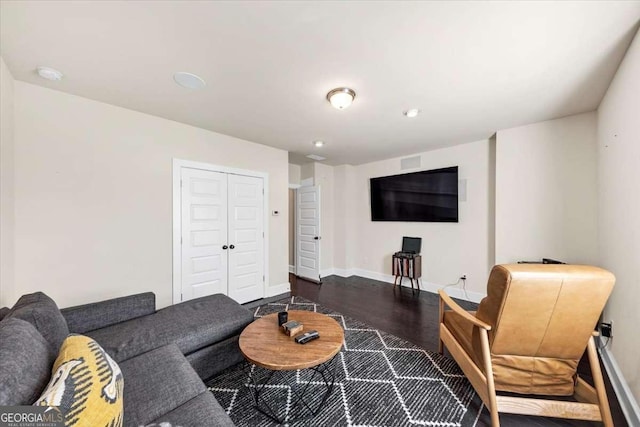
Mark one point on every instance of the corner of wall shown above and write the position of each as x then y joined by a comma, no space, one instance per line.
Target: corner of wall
618,205
7,195
294,174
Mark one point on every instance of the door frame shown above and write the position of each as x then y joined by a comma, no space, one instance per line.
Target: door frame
178,164
294,187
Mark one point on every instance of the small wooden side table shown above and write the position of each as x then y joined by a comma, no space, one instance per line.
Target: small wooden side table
410,267
265,345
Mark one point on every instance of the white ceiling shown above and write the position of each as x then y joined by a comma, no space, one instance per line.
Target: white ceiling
471,67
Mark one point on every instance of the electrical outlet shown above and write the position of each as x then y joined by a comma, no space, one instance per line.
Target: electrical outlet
606,329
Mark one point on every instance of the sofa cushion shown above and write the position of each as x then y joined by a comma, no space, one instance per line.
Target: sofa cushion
43,313
191,325
157,382
25,362
88,317
3,312
211,360
86,384
202,410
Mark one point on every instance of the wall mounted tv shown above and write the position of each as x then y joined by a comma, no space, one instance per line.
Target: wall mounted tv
426,196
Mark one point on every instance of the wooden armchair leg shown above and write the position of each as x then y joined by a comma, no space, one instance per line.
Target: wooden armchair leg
598,381
440,321
488,371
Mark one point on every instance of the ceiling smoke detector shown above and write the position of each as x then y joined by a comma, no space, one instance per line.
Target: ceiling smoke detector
49,73
189,80
341,97
411,113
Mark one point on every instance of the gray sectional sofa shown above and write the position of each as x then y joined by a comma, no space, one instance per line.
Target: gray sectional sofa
164,354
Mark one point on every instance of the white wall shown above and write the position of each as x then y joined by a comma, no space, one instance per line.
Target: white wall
93,196
546,191
294,174
619,210
7,219
307,171
449,250
344,229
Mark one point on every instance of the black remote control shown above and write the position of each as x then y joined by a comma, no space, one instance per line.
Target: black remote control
307,336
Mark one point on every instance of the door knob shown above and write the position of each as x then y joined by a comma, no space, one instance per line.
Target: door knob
231,247
316,238
225,247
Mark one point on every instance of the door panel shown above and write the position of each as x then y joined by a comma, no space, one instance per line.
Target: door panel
308,233
246,234
204,232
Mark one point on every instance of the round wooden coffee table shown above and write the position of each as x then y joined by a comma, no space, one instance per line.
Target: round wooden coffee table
264,344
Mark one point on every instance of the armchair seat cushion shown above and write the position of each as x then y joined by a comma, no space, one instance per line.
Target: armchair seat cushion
534,375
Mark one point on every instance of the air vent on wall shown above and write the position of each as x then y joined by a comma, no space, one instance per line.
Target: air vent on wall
410,162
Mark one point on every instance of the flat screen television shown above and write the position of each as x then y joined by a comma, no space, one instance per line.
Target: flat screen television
426,196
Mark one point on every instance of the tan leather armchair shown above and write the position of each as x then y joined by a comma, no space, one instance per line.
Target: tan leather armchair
528,336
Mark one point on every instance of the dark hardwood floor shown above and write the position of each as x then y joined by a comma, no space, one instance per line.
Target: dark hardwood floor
413,316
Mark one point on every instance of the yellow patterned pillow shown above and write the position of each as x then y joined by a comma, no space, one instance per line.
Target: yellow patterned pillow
86,385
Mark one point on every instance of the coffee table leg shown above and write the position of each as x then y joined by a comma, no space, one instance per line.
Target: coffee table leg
327,372
256,386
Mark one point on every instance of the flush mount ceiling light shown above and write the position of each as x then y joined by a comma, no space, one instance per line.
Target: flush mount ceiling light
316,157
318,143
341,97
189,80
411,113
49,73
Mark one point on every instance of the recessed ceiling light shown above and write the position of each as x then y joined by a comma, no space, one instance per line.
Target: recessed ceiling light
412,113
316,157
318,143
341,97
49,73
189,80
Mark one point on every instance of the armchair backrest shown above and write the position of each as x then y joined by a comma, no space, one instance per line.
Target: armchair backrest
542,318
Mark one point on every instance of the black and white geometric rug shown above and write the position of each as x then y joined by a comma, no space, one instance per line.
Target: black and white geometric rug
381,380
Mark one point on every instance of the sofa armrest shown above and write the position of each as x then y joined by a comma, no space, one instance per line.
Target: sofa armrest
89,317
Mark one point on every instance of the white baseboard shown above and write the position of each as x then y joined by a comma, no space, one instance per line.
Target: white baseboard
278,289
627,401
455,292
328,272
292,269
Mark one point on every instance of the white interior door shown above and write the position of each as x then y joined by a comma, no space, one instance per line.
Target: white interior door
246,238
308,233
204,233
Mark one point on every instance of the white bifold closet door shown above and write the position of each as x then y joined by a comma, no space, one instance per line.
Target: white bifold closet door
222,234
246,238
